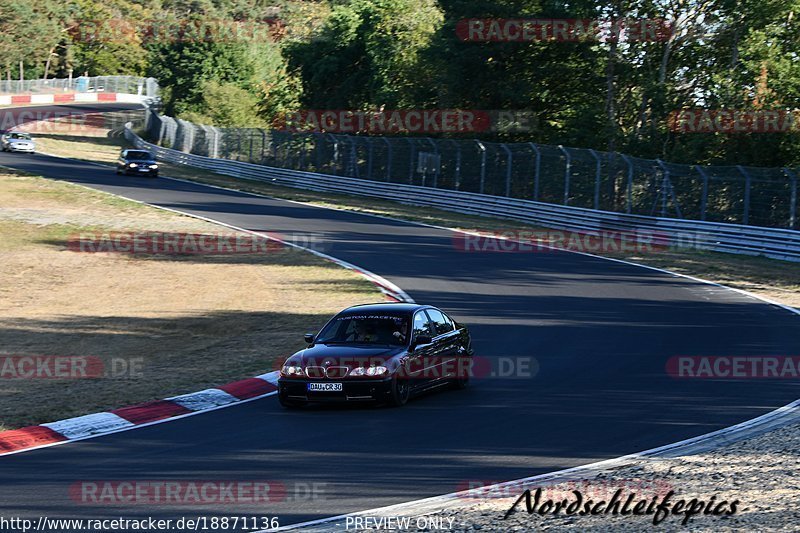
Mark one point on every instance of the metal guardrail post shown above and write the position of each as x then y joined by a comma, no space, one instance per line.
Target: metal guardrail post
747,185
567,171
598,166
629,184
388,159
704,193
537,165
483,165
792,197
509,162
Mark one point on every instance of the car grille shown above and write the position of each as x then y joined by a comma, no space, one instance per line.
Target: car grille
332,372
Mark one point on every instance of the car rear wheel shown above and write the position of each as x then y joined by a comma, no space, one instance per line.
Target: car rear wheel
464,369
400,392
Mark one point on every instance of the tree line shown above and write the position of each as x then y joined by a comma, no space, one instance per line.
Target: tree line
246,62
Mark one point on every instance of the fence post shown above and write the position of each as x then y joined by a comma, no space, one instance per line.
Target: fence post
792,197
335,164
629,184
388,158
536,167
263,144
567,170
668,189
747,183
435,170
411,162
353,163
704,193
509,162
598,166
483,165
368,140
458,164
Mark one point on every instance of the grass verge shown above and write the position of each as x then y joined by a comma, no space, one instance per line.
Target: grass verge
162,325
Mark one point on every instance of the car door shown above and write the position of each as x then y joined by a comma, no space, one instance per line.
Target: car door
420,359
445,347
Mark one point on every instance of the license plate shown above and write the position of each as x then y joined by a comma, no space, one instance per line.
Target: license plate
325,387
144,170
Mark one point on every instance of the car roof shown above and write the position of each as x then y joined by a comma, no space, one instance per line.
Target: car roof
384,307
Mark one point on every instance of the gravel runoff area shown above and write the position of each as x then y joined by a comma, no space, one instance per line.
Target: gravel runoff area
759,473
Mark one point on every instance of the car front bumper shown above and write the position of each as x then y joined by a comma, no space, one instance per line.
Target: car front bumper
140,171
361,390
24,149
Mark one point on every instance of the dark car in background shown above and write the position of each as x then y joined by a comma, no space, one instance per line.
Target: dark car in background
140,162
378,352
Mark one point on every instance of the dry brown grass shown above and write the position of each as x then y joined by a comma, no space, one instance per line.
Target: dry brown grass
192,321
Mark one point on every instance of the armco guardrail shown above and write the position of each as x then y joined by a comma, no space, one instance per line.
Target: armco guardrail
732,238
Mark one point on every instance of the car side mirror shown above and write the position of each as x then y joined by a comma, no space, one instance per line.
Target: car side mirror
421,340
309,338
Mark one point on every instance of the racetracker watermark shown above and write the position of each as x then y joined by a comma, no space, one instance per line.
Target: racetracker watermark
599,489
734,367
424,367
533,241
149,31
194,492
33,121
734,121
563,30
159,243
400,121
69,367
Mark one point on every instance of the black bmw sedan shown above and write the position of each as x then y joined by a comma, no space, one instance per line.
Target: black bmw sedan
137,162
378,352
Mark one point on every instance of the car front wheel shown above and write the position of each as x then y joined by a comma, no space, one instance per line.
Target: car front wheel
400,392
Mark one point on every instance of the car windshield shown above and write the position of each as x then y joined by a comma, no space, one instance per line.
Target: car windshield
22,136
380,329
138,156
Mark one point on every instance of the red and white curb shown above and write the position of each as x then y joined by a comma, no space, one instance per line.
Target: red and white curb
83,427
62,98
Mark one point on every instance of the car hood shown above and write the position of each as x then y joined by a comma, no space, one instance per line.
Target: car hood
350,356
18,141
140,162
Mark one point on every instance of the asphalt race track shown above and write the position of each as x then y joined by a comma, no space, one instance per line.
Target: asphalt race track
600,331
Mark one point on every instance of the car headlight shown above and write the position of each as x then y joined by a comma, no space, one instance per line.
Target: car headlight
132,165
371,371
292,371
153,166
